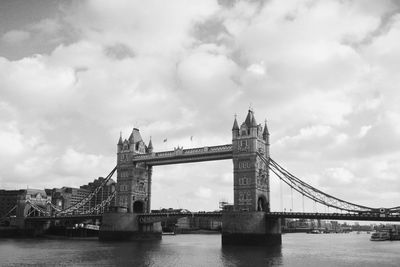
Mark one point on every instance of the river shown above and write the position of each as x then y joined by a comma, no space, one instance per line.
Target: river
203,250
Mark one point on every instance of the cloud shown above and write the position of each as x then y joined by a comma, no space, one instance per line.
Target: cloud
364,130
258,69
16,36
339,176
47,26
203,192
10,140
119,51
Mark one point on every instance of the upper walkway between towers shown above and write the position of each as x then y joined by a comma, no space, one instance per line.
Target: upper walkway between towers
180,155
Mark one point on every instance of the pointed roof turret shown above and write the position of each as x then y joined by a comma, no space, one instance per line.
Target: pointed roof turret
120,138
235,125
254,122
250,120
135,136
266,132
150,146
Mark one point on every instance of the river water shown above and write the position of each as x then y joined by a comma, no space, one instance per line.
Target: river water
203,250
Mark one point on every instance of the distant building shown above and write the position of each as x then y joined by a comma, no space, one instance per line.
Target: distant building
225,206
8,200
197,223
296,225
19,198
103,193
67,196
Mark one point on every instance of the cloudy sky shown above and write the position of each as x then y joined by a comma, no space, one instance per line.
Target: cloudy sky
325,74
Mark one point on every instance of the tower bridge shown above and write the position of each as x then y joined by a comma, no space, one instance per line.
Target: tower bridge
135,161
249,222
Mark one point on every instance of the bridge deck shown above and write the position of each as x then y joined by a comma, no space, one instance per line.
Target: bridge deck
66,217
334,216
153,217
186,155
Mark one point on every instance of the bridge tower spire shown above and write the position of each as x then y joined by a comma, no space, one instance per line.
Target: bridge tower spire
250,173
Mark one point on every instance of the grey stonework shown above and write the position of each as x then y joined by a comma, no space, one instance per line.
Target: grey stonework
133,179
250,173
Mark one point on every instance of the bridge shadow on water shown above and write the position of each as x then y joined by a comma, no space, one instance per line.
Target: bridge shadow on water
179,250
251,256
189,250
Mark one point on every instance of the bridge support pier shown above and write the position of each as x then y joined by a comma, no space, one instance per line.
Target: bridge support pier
125,226
21,227
35,229
250,229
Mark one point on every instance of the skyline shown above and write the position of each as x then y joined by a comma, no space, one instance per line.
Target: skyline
74,74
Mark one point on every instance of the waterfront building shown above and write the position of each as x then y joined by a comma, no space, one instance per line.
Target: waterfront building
68,196
8,200
18,198
197,223
296,225
103,193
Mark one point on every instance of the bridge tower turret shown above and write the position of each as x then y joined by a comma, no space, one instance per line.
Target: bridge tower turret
250,173
133,180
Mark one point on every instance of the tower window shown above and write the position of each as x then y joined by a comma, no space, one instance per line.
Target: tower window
244,164
243,143
243,181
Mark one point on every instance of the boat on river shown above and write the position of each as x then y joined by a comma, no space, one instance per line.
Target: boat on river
315,231
380,236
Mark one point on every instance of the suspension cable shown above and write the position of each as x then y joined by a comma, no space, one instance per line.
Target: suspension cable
89,197
8,213
310,191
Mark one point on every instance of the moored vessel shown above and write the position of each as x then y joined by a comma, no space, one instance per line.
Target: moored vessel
380,236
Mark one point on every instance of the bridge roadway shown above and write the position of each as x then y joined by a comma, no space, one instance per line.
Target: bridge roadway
153,217
64,218
335,216
156,217
181,155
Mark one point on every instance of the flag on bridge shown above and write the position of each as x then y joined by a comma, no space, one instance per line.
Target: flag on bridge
165,140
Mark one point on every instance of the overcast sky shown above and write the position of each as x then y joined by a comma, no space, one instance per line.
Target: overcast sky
325,74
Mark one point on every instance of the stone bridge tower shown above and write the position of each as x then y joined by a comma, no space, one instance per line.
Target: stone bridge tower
133,179
250,173
248,223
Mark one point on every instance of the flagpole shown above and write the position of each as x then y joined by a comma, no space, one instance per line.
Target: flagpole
165,143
